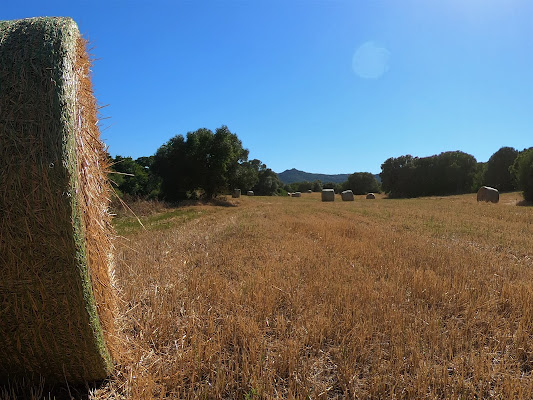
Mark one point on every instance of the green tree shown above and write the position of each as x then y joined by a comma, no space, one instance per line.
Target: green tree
361,183
171,164
497,173
304,186
134,178
246,175
479,176
317,186
447,173
205,161
268,183
522,171
396,174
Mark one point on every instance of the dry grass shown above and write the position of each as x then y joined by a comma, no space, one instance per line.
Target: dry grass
277,298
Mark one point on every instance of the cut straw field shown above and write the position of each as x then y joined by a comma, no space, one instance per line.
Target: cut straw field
296,298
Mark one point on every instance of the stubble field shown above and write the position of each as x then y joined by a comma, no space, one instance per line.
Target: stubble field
294,298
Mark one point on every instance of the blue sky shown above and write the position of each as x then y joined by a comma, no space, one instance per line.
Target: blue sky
328,86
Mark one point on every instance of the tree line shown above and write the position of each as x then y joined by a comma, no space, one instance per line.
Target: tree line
205,164
456,172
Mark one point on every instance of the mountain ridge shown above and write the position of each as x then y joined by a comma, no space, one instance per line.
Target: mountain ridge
294,175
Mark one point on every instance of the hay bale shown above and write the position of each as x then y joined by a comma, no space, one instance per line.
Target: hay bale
488,194
56,296
309,191
370,196
328,195
250,193
236,193
297,194
347,195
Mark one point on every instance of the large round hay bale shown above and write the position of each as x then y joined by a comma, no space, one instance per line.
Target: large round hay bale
250,193
371,196
56,294
328,195
297,194
347,195
488,194
236,193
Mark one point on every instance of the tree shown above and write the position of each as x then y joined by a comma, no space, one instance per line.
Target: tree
361,183
268,183
134,177
479,176
395,173
171,164
447,173
497,173
317,186
205,161
522,171
247,175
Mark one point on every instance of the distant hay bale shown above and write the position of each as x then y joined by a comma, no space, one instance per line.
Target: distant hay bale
309,191
370,196
488,194
236,193
328,195
347,195
57,301
297,194
250,193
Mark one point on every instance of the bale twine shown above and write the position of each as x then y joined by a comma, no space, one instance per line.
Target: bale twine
370,196
56,296
236,193
328,195
250,193
347,195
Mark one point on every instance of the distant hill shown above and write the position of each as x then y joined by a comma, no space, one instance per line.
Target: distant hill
294,175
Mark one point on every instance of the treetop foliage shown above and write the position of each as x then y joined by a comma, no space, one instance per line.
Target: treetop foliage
522,171
362,183
498,173
447,173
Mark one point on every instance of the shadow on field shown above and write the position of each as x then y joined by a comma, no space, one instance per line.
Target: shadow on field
32,391
524,203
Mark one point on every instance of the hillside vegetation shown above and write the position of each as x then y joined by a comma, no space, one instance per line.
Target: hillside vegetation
280,297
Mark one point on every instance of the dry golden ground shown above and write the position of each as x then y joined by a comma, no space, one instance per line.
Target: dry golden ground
294,298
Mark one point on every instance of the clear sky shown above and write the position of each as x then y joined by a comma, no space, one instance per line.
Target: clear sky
325,86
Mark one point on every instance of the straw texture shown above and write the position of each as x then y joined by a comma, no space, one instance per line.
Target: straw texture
56,291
